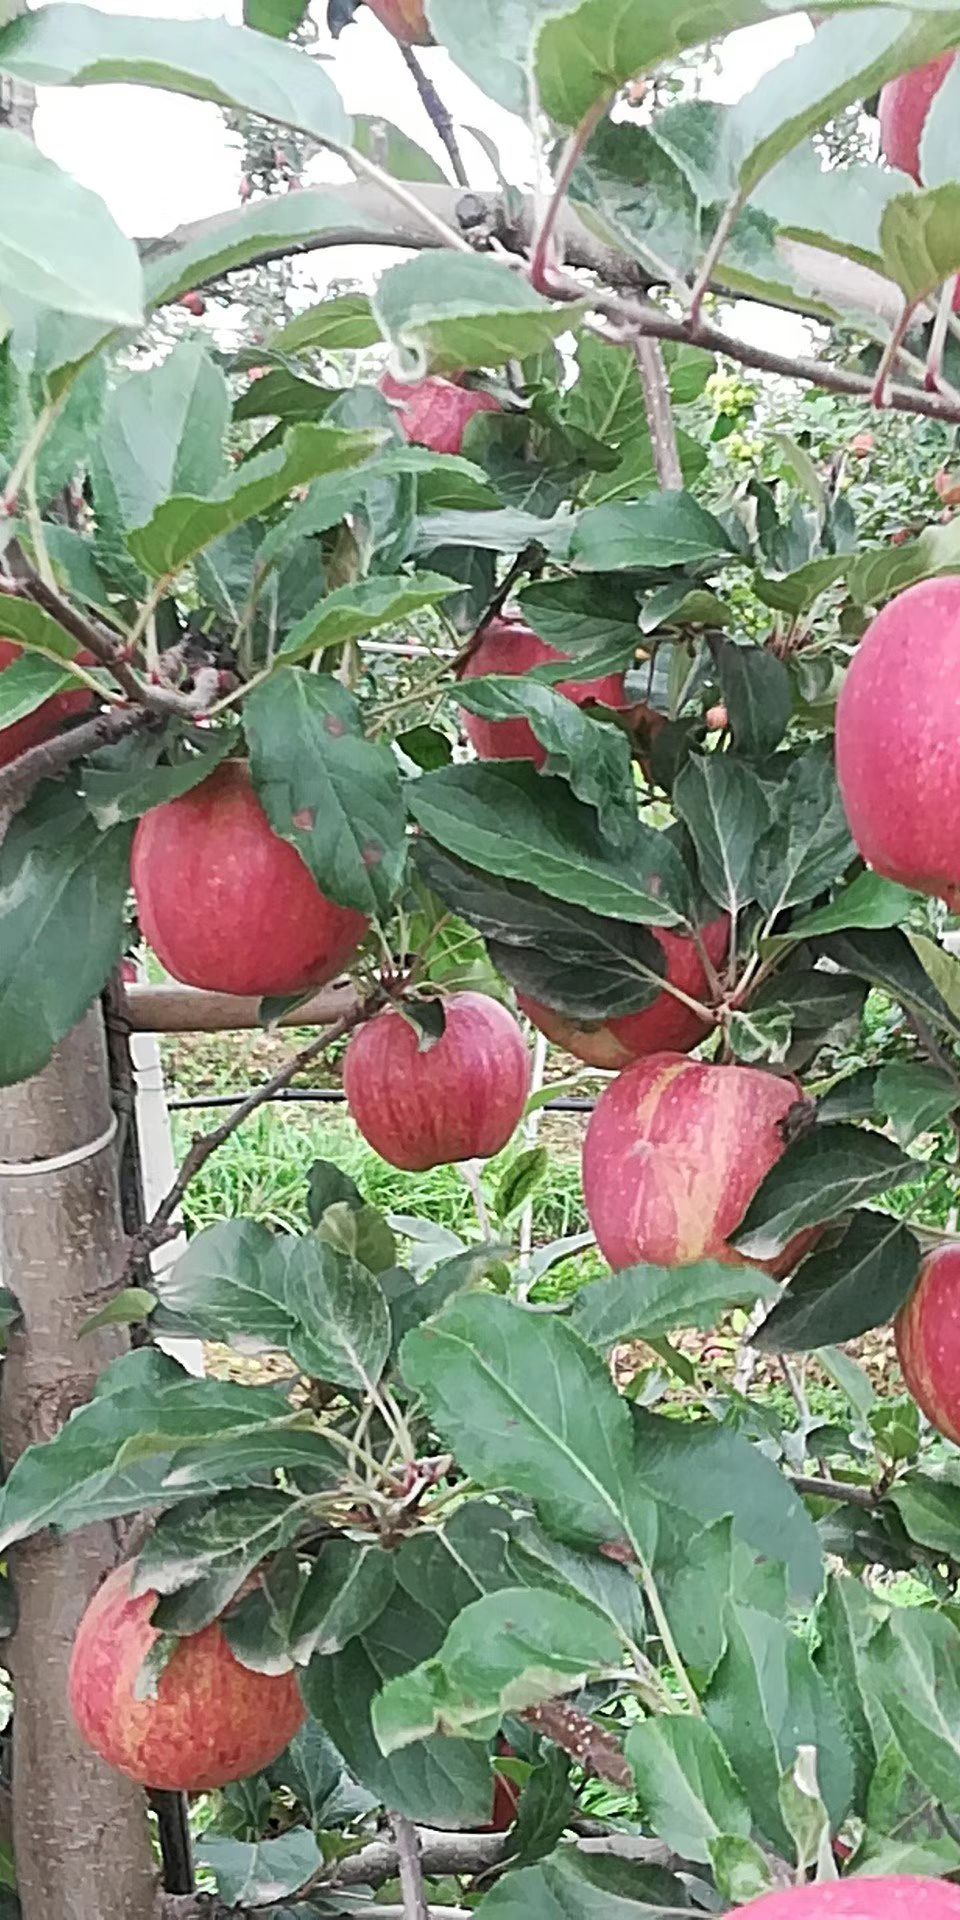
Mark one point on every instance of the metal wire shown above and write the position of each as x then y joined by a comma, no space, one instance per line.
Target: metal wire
334,1096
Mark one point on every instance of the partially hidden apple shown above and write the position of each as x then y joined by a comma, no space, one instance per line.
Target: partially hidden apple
674,1152
898,724
904,1897
510,647
904,106
44,722
436,413
460,1099
665,1027
405,19
226,904
928,1341
211,1721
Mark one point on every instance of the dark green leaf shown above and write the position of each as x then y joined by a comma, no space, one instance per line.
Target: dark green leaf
342,1329
916,1097
755,687
668,530
547,1801
361,1232
816,1180
588,1885
329,1186
913,1663
887,960
576,615
593,758
725,809
64,888
200,1554
279,18
227,1285
842,1291
846,1619
125,793
809,844
869,901
257,1872
346,1591
363,607
929,1506
509,821
524,1176
346,321
332,793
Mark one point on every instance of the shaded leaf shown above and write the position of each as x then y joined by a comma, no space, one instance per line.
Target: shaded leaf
816,1180
647,1302
842,1291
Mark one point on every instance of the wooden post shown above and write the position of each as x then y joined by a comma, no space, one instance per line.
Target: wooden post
80,1830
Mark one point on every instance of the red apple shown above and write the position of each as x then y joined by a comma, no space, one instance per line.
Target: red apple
901,1898
226,904
436,413
927,1343
904,106
898,726
718,719
460,1100
44,722
405,19
212,1720
194,303
674,1153
666,1026
508,646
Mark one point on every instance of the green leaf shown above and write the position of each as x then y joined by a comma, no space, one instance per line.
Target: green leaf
846,1618
509,821
809,845
75,46
869,901
260,1871
795,593
920,242
332,793
27,683
648,1303
126,1309
755,687
64,888
593,758
817,1179
162,432
37,632
842,1291
916,1097
361,1232
578,614
350,612
241,238
290,1445
184,524
547,1802
741,1868
505,1652
847,60
113,795
346,1591
226,1285
457,310
279,18
913,1663
346,321
765,1701
522,1179
439,1781
200,1554
888,960
697,1471
668,530
577,962
929,1506
588,1885
113,1454
342,1330
393,150
726,811
940,967
685,1783
59,245
523,1401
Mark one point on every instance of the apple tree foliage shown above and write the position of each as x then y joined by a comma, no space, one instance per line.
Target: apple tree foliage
463,1530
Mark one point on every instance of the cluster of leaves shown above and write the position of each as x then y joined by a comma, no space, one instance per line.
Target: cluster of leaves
460,1519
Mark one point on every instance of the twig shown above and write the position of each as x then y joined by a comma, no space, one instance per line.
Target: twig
410,1866
578,141
881,381
836,1490
711,259
17,781
109,650
594,1749
938,338
158,1228
437,113
656,396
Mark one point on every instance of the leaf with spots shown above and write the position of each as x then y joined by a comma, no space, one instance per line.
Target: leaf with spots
333,794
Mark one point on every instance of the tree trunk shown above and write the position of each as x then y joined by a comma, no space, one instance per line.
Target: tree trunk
80,1830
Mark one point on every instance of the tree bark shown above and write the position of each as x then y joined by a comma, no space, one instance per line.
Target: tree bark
80,1830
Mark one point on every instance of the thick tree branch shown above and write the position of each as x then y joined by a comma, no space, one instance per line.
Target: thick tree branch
837,1490
108,650
17,781
158,1229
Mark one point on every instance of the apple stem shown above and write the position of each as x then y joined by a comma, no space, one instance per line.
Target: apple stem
470,1171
